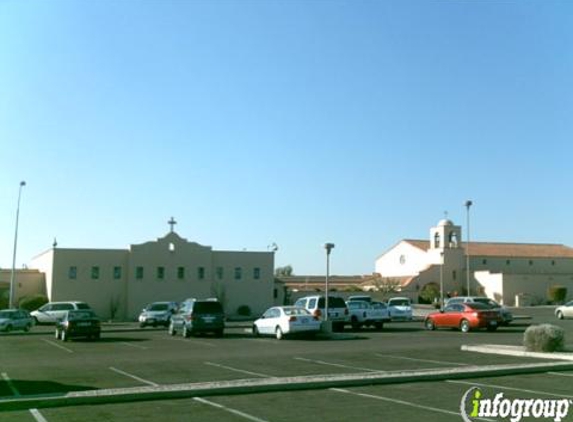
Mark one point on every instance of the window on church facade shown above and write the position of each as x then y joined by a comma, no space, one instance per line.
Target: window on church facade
219,272
160,273
73,272
257,273
95,273
139,273
238,273
180,273
201,273
116,273
437,240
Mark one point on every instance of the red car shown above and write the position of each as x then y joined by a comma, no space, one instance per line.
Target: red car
465,316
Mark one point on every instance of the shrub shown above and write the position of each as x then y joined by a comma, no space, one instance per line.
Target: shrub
557,294
544,338
31,303
244,310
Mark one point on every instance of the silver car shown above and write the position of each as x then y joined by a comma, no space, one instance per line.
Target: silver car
564,311
157,313
52,312
15,319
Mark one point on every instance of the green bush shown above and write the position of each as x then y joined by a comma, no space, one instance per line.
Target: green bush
544,338
31,303
557,294
244,310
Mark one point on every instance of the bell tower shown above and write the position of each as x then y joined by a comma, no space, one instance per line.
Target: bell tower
445,235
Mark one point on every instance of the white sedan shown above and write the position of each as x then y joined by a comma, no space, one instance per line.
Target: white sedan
284,320
565,311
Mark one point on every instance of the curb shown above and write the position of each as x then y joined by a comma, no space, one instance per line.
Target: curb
266,385
517,351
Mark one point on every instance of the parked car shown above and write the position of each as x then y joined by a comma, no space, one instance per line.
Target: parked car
15,319
337,310
78,323
506,315
564,311
198,316
51,312
282,321
157,313
400,309
364,314
465,316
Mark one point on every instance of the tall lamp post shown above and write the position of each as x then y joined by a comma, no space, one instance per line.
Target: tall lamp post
13,274
329,247
468,204
441,280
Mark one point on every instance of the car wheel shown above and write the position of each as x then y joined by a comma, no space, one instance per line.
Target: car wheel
64,336
491,327
172,331
256,331
57,334
464,326
379,325
559,315
8,328
219,333
97,336
354,323
429,324
142,325
186,332
279,333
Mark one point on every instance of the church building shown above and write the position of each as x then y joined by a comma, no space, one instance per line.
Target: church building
511,273
118,283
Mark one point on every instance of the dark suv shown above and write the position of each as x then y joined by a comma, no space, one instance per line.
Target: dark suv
198,316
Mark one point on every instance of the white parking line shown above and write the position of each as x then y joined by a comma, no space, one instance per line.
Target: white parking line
38,416
137,346
441,362
402,402
238,370
560,374
119,371
11,385
230,410
191,342
338,365
502,387
59,346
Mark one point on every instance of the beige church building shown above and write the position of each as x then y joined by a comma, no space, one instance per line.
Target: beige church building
512,273
118,283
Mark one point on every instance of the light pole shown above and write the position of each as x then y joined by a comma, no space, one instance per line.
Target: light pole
13,274
468,204
441,280
328,247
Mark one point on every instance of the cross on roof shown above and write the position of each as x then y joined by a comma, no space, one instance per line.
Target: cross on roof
172,223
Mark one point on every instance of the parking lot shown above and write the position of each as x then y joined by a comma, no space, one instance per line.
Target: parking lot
35,364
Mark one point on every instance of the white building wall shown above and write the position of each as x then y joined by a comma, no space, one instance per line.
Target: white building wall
403,260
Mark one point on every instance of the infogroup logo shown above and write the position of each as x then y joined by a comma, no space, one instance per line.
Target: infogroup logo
474,405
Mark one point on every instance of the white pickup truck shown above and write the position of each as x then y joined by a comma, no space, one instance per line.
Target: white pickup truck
364,314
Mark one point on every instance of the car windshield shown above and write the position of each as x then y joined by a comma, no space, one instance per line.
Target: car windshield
7,314
478,306
158,307
398,302
209,307
486,301
295,311
333,302
80,314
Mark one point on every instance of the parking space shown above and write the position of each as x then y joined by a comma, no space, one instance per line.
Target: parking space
36,363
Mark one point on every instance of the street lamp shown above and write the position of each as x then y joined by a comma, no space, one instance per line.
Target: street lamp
441,280
328,247
13,274
468,204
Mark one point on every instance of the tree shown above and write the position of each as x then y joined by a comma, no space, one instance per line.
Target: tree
386,285
429,293
285,271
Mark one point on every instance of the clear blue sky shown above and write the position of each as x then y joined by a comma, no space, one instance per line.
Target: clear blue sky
295,122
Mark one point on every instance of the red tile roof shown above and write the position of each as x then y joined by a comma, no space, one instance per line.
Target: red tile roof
509,250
